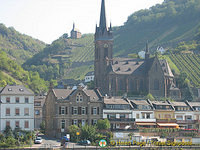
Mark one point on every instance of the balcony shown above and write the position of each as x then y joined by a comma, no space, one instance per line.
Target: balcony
166,120
122,119
187,121
145,120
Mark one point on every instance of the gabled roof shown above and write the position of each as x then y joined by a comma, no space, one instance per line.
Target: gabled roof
160,103
140,102
66,93
16,90
166,69
90,73
62,93
179,104
194,104
115,101
128,66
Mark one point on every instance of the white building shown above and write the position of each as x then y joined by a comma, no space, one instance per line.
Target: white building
16,107
89,77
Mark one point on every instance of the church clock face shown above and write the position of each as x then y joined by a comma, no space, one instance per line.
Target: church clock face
105,45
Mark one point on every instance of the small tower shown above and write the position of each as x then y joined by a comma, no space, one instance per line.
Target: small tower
75,33
103,50
147,54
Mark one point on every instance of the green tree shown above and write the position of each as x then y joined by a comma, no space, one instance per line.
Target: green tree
89,132
150,97
103,124
73,129
8,132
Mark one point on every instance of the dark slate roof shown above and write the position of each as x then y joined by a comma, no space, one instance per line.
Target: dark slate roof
140,102
1,88
115,101
179,104
103,21
90,73
16,90
128,66
166,69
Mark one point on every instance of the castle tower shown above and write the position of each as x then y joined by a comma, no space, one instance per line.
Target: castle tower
103,51
75,33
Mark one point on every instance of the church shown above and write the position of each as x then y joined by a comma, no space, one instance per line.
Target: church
119,76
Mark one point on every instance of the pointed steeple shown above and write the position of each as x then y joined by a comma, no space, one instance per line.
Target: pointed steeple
110,26
103,23
73,25
147,54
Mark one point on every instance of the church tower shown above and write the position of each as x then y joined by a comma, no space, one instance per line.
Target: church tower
103,51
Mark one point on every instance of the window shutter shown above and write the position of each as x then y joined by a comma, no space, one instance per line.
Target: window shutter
59,110
98,110
92,110
86,110
72,110
66,110
79,110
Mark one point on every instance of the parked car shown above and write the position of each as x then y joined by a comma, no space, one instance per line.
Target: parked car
84,142
38,140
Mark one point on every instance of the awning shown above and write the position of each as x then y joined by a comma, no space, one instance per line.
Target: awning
168,124
145,123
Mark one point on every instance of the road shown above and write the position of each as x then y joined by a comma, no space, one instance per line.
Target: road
47,143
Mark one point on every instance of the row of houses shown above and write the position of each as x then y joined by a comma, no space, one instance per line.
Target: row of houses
65,107
19,108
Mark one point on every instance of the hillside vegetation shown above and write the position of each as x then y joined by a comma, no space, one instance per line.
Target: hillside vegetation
12,73
18,46
164,25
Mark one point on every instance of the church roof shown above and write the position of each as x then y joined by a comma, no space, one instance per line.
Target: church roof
128,66
166,68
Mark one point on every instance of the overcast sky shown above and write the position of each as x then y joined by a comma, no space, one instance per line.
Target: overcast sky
47,20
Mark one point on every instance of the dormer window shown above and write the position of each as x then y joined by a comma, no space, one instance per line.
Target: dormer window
79,98
9,89
21,90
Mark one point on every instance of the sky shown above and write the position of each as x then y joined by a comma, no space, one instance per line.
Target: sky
47,20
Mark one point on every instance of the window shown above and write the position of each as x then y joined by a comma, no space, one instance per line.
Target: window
7,99
179,117
167,116
111,116
37,112
122,116
137,116
16,99
26,111
75,111
79,97
37,103
83,111
7,111
16,124
75,122
26,99
83,122
7,123
94,111
62,124
16,111
26,124
148,116
188,117
94,121
62,110
143,115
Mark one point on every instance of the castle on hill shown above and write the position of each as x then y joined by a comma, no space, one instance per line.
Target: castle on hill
75,33
117,76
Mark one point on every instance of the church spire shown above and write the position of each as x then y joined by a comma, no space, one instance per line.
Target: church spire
103,23
147,54
73,25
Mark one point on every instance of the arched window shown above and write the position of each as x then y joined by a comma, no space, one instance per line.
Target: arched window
156,84
79,98
105,52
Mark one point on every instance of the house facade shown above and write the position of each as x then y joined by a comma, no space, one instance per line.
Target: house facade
17,108
116,76
38,110
66,107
